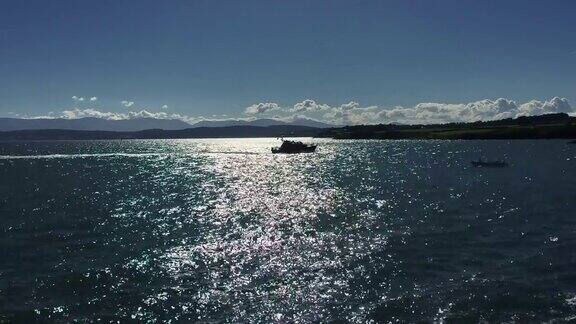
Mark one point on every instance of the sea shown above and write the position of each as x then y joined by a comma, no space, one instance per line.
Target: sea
223,231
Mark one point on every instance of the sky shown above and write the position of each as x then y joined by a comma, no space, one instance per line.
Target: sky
349,62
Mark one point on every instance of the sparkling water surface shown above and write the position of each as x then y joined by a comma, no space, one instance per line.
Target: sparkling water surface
221,230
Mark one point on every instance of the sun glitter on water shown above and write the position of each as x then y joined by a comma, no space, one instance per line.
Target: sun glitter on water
261,249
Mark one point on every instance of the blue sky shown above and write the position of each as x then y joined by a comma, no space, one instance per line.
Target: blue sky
204,58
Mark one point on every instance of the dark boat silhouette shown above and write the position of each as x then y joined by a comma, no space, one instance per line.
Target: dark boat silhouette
291,147
489,164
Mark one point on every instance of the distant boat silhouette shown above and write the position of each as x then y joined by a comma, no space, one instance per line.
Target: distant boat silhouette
489,164
291,147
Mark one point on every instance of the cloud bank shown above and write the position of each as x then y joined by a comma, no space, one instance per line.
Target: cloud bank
261,108
352,113
309,105
92,112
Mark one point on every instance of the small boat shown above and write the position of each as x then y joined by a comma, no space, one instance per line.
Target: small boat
290,147
489,164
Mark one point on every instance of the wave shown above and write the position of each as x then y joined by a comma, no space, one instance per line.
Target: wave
78,156
104,155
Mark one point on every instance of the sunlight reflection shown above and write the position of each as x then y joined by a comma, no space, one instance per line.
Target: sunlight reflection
261,237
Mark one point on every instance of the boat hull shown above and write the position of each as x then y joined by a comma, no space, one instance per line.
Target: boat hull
309,149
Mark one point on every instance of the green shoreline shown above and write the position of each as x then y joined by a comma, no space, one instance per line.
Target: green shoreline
551,126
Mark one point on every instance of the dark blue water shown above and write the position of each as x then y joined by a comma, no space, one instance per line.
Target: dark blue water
221,230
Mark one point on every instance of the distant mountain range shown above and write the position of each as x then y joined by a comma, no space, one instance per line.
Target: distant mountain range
262,123
91,124
194,132
139,124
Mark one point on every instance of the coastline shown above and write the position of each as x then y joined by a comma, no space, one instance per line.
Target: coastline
551,126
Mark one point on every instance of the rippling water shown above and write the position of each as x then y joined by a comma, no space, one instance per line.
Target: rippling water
222,230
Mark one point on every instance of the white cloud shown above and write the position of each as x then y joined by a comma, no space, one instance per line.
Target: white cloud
430,113
309,105
536,107
260,108
165,107
352,113
76,98
93,98
148,114
90,112
82,113
127,103
479,110
350,105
